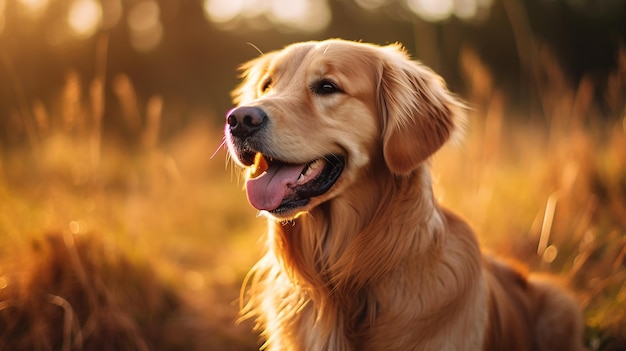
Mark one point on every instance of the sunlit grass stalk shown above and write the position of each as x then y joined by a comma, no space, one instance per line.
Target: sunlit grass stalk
546,227
70,323
98,101
123,88
151,130
23,105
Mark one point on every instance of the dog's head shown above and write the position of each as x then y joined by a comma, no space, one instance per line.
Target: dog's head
313,116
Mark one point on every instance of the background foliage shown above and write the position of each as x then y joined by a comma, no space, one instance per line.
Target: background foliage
121,227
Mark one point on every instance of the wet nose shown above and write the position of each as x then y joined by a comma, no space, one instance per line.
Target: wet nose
245,121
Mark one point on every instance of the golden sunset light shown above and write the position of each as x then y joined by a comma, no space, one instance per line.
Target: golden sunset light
221,11
33,8
294,15
112,11
2,15
129,221
84,18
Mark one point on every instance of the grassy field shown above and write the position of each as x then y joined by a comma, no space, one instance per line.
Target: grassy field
107,244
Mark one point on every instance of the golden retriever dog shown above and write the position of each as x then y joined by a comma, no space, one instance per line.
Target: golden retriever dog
335,138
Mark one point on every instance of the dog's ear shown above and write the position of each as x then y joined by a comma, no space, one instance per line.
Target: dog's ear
418,112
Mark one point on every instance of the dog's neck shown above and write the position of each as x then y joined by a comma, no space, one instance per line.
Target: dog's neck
326,245
337,250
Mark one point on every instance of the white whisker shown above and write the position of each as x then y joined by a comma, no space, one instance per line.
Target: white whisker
256,48
218,148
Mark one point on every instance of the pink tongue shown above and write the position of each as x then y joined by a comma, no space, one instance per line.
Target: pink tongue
267,191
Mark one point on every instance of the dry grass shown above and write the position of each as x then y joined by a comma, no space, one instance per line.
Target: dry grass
550,190
151,238
67,297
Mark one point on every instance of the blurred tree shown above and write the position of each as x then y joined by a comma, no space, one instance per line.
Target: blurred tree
188,51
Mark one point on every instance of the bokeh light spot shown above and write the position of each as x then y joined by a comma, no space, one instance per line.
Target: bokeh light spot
302,15
549,255
2,19
432,10
146,30
194,280
84,18
371,4
74,227
306,15
111,13
290,10
33,8
143,16
465,9
221,11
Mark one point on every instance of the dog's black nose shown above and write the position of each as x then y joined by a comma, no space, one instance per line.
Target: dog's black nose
245,121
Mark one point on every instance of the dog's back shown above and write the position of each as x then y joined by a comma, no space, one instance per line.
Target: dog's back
529,312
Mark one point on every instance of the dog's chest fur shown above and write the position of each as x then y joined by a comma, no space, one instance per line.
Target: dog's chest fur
318,299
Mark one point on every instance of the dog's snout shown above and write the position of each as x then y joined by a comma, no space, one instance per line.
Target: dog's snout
245,121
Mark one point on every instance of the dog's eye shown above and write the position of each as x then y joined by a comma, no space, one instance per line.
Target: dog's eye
266,85
325,87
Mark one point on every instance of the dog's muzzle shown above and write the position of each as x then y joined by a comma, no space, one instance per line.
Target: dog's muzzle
275,185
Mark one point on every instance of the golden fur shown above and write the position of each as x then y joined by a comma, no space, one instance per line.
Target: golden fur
375,263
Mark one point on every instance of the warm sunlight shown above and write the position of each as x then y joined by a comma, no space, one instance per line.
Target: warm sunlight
2,20
440,10
305,15
221,11
33,8
84,18
145,25
465,8
312,16
127,221
301,15
111,13
468,9
432,10
372,4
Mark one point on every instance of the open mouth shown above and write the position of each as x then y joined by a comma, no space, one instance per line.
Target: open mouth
278,187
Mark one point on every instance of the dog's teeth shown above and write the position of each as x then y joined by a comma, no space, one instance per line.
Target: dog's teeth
314,165
309,169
